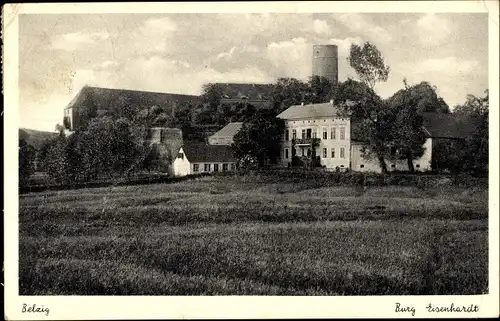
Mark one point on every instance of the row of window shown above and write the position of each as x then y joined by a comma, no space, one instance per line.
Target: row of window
208,167
325,152
314,121
308,133
392,166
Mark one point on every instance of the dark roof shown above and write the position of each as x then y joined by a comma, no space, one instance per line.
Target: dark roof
229,130
254,92
310,111
104,97
440,125
203,153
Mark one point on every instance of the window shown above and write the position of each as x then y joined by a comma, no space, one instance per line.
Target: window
196,168
303,152
334,133
325,153
393,165
342,133
308,133
333,152
417,166
325,134
308,152
233,166
216,167
207,168
180,155
342,152
224,167
294,134
303,133
362,165
286,153
287,137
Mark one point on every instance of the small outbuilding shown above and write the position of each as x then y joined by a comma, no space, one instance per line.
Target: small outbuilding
194,158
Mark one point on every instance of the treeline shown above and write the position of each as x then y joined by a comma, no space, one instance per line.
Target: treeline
114,139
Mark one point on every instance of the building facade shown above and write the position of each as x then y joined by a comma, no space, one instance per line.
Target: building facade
320,127
196,158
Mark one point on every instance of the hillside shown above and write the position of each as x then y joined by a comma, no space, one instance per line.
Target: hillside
35,138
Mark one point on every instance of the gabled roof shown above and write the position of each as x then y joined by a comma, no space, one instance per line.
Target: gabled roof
310,111
229,130
250,91
202,153
104,97
441,125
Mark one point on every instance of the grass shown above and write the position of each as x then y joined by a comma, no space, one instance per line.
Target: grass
253,236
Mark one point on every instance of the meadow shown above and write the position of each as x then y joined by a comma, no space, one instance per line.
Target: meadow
253,235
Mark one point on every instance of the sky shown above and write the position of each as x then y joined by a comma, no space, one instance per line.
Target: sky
178,53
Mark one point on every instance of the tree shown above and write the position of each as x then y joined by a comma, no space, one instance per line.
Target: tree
288,92
368,63
475,112
408,135
375,117
371,119
424,95
260,138
320,89
26,160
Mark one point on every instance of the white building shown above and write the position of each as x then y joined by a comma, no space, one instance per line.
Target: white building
338,147
195,158
304,123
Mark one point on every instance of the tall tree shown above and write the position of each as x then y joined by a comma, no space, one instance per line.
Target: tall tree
288,92
475,112
408,136
260,138
369,65
320,89
371,119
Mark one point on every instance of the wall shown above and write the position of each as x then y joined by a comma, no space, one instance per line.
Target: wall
317,125
166,143
372,165
182,166
202,167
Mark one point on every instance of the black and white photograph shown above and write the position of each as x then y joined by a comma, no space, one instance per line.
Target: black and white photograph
252,152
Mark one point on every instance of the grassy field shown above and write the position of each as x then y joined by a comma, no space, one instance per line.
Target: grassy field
254,236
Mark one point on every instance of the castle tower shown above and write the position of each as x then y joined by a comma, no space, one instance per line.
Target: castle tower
325,62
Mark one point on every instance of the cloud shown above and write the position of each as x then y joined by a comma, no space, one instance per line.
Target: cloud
321,27
453,77
432,29
155,35
73,41
226,55
291,58
344,45
445,66
362,24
